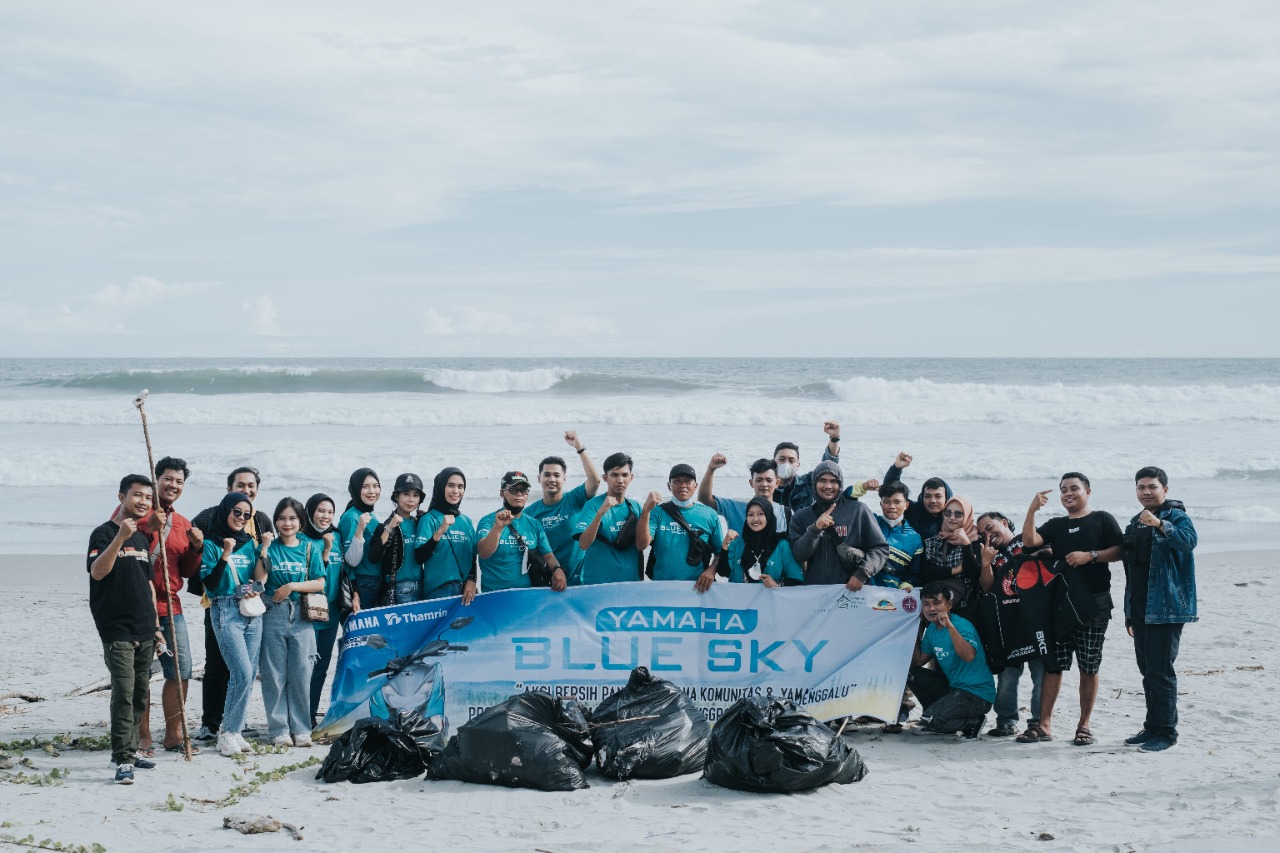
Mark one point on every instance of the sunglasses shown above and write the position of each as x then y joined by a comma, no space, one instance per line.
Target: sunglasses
241,513
518,490
953,513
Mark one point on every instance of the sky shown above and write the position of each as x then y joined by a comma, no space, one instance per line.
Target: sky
640,179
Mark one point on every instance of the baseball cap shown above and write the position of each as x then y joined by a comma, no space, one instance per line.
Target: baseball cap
514,478
409,483
683,470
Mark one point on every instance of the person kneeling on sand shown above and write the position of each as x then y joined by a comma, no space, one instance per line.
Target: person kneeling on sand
958,694
123,604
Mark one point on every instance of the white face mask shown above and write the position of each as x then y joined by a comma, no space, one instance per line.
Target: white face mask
682,504
787,470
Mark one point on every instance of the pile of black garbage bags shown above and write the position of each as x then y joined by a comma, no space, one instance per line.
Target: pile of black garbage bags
647,730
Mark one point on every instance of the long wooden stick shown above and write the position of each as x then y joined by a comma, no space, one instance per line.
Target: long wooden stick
140,402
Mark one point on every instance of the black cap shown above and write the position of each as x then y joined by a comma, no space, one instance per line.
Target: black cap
514,478
683,470
409,483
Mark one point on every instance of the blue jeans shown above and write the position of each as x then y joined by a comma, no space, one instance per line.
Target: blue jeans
182,652
407,591
1156,648
1007,693
239,640
326,636
369,588
445,590
288,656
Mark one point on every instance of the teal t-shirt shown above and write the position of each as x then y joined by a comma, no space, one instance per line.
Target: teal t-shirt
507,568
671,543
347,530
410,569
780,566
293,564
602,563
455,552
557,521
332,575
241,560
969,676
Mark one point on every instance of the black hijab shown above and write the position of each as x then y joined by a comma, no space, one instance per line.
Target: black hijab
759,546
438,501
220,529
355,484
309,528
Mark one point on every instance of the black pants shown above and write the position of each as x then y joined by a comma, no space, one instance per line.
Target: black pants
946,709
1156,648
216,675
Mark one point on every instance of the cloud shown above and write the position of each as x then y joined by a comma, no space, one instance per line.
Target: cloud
261,311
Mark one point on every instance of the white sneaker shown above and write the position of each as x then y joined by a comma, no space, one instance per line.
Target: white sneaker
242,743
228,745
282,740
302,740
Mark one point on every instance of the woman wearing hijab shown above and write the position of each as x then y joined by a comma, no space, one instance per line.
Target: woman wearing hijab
318,529
294,567
393,547
447,541
227,569
758,554
954,555
365,488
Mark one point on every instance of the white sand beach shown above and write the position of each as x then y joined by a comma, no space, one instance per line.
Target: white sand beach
1218,789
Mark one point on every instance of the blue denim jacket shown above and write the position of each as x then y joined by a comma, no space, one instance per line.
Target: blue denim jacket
1171,593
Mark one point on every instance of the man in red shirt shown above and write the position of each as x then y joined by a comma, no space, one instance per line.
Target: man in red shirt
183,546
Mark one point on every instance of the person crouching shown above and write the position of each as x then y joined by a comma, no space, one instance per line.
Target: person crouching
958,694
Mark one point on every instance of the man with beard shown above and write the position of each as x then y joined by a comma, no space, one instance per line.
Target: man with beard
510,541
836,538
245,481
123,604
558,510
1089,541
183,546
1159,598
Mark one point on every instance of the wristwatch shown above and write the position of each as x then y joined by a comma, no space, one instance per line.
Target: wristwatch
1093,556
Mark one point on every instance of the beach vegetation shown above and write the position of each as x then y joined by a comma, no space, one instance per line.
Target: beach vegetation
49,844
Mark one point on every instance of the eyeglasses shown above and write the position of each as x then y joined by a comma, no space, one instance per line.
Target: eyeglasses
518,490
241,513
953,513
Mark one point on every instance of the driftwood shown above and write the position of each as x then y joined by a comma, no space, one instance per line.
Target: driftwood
197,674
25,697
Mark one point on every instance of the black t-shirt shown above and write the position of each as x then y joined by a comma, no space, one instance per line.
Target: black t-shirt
1096,531
121,602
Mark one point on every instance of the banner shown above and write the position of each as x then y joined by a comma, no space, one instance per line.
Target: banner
832,651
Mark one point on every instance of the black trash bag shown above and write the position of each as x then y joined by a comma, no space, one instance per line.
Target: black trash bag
372,750
649,730
771,746
528,741
423,731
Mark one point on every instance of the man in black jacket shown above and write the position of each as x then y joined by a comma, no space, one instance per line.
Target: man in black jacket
836,538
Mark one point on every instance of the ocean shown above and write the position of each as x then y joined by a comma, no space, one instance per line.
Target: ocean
997,429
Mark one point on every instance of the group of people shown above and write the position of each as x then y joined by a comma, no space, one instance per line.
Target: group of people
253,572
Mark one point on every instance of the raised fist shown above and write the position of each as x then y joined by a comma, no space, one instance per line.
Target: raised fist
228,545
503,518
718,461
446,523
365,518
195,537
652,500
902,460
571,438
